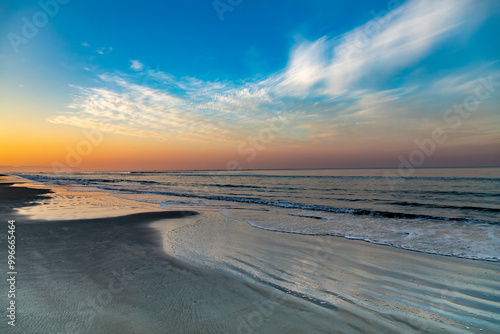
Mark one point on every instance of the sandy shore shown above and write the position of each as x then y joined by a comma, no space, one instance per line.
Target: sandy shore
359,281
187,272
111,275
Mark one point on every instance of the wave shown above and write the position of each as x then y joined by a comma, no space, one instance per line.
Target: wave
280,204
350,211
373,239
446,178
465,193
225,173
83,181
235,186
440,206
483,257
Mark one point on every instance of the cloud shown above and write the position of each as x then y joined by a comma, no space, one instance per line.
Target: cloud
104,49
85,44
133,109
136,65
329,89
385,44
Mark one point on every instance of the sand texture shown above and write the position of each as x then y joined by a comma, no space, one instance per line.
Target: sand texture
188,272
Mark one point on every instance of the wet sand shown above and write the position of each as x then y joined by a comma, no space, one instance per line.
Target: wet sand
187,272
376,284
111,275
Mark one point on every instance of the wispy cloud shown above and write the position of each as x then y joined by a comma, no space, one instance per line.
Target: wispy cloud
136,65
134,109
401,38
104,49
329,88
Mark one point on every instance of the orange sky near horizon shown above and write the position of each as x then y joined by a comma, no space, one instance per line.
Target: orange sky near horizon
60,145
308,94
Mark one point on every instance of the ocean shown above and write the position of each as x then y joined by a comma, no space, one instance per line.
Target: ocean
447,211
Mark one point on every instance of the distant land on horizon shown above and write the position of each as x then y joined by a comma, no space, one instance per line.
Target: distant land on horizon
46,169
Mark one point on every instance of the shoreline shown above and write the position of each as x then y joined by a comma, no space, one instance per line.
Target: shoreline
462,234
183,278
378,244
431,292
113,277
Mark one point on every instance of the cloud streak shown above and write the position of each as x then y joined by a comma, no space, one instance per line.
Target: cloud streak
385,44
330,87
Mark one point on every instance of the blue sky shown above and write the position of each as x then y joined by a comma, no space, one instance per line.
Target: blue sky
343,75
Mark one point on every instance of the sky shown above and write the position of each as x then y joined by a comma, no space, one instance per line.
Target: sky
229,84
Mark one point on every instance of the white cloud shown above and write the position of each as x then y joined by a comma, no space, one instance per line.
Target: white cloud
104,49
325,87
137,110
398,39
136,65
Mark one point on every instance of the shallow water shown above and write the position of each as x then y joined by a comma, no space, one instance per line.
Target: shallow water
425,293
449,211
336,284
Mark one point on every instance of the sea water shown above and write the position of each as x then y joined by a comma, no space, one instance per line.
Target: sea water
448,211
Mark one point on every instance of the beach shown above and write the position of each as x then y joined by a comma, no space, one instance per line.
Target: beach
250,167
90,263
